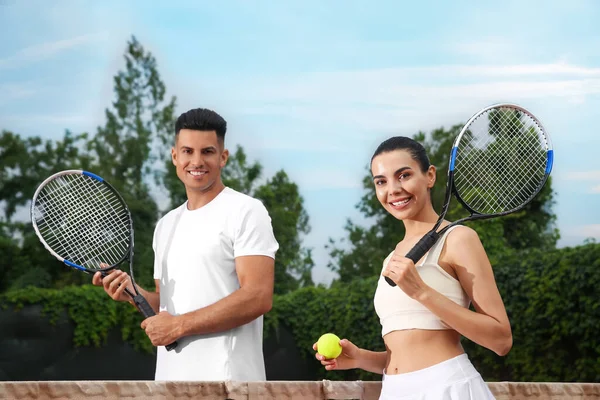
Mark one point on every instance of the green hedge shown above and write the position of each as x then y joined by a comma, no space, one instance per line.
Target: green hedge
346,310
552,300
93,313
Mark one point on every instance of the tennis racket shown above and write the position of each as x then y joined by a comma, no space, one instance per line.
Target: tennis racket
84,222
499,162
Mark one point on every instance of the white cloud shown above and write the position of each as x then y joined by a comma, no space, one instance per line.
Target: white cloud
50,119
575,235
14,91
346,110
47,50
400,87
327,179
584,175
487,70
590,177
49,126
592,230
485,48
380,98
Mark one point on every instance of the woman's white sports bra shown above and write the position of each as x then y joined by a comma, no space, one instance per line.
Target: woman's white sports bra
397,311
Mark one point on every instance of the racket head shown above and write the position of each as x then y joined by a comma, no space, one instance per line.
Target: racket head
82,221
500,160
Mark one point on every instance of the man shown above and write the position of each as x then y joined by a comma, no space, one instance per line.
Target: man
213,268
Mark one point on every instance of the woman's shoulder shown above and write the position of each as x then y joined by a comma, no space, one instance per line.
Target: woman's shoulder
461,232
461,240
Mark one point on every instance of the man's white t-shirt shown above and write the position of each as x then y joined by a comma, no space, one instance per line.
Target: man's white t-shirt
195,255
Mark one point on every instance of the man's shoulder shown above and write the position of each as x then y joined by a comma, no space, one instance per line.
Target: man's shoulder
170,215
241,200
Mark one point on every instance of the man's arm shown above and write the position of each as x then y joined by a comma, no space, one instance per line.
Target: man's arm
254,248
115,282
253,299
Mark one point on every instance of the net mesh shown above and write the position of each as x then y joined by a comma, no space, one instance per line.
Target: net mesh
501,161
83,221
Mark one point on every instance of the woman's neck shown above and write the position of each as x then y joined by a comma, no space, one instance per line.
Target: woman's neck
421,223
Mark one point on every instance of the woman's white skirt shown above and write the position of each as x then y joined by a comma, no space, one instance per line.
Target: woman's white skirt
453,379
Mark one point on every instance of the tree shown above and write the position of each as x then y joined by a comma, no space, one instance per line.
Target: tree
139,125
362,252
125,152
293,264
131,151
25,163
128,150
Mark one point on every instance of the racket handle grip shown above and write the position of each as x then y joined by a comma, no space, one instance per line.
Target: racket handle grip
142,304
419,250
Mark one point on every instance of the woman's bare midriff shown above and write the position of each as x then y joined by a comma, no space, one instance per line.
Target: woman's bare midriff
415,349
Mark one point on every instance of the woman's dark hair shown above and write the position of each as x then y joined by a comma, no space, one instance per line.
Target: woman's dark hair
414,148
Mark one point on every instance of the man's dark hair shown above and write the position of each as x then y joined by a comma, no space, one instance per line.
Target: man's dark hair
414,148
202,119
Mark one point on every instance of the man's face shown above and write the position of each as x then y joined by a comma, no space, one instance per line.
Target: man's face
198,157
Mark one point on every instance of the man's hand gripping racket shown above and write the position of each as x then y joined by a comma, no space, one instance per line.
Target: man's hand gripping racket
84,222
499,162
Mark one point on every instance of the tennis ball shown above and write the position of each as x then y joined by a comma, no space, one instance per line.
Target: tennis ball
329,346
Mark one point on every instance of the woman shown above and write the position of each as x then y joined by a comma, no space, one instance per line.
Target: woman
424,316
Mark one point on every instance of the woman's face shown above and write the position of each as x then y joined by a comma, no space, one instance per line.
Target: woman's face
401,187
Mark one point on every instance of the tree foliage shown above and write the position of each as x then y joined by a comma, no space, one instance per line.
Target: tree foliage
131,150
361,253
25,164
293,264
128,148
550,296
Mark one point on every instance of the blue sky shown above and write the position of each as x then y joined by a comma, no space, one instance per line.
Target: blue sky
312,87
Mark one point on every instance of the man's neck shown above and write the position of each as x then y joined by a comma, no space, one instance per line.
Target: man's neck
198,198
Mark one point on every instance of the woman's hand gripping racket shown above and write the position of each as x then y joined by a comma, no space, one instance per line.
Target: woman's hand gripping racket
84,222
499,162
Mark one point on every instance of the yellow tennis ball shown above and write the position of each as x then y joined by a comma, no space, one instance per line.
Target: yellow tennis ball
329,346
